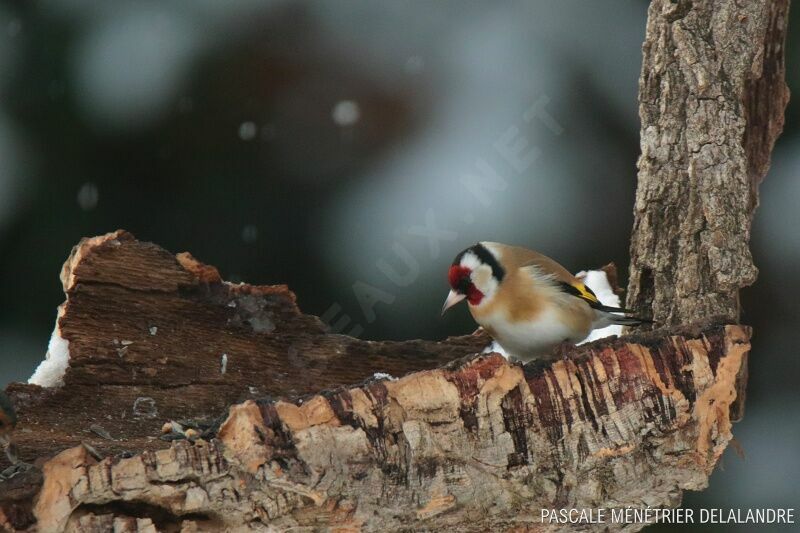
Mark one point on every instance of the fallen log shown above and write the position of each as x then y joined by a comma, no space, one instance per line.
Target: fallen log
458,440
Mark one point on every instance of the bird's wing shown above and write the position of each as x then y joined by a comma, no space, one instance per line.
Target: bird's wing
583,292
545,269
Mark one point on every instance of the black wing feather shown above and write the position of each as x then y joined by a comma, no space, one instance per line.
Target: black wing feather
594,304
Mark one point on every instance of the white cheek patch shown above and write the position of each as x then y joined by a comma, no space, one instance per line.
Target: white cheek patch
484,281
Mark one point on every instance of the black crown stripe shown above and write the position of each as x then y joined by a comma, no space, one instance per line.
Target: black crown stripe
486,257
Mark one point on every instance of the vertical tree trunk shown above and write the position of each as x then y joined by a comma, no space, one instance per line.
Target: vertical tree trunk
711,100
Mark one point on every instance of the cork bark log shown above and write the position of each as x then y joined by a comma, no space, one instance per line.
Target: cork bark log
711,101
460,440
481,445
299,432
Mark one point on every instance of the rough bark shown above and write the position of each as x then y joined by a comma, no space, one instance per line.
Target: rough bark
474,444
479,446
711,100
147,331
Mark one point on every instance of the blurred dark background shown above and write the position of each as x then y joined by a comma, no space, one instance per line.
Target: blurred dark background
326,145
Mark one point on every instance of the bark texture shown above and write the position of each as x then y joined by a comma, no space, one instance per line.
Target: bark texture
479,446
148,332
471,443
711,100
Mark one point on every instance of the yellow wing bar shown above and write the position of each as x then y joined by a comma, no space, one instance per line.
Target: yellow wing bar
581,291
586,293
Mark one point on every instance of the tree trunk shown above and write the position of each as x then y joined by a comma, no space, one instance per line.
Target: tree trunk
460,441
711,101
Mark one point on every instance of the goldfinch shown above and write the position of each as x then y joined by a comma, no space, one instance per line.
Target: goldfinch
527,302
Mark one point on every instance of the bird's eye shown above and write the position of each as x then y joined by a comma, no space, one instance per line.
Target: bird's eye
463,284
459,278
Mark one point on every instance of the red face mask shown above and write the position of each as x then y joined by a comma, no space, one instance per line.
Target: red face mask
459,278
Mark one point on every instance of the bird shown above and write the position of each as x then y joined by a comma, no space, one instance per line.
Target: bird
528,303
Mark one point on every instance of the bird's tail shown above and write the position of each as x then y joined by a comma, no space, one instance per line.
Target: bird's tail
620,316
623,320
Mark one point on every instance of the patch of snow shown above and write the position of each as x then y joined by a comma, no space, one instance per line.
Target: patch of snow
88,196
223,364
50,372
247,131
597,280
346,113
383,375
496,348
249,234
153,330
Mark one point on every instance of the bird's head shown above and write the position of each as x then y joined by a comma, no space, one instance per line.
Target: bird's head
474,275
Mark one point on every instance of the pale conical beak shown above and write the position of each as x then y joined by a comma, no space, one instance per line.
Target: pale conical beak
452,299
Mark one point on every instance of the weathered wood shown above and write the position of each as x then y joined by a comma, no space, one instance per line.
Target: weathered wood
475,444
147,331
145,324
481,445
711,100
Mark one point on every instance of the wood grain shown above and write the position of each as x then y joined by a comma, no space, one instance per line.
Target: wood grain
477,446
145,324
